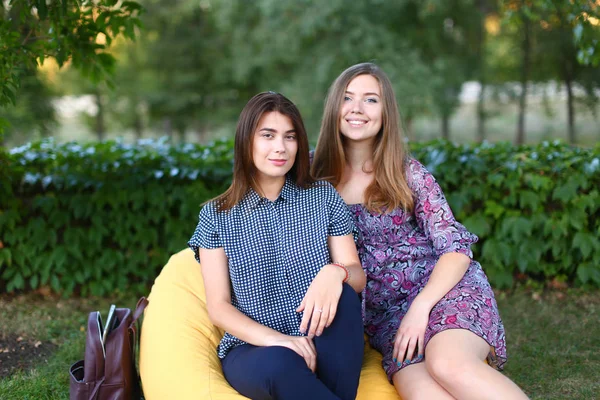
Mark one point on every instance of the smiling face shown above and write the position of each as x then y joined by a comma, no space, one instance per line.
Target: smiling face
274,147
361,114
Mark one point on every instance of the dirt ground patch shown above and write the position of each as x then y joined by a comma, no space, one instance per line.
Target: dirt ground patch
18,353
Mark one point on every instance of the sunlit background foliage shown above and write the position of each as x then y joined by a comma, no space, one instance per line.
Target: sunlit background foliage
468,70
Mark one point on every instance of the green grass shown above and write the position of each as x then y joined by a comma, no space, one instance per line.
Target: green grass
59,321
553,341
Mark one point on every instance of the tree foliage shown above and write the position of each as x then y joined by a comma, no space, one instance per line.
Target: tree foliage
75,31
196,63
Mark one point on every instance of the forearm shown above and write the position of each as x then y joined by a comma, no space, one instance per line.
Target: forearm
448,271
356,276
227,317
343,250
357,279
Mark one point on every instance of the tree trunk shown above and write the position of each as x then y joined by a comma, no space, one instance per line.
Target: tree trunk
138,124
201,130
570,111
481,115
100,129
168,127
520,138
180,135
408,123
446,125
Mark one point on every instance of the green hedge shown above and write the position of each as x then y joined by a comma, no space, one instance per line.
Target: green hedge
102,217
535,207
105,217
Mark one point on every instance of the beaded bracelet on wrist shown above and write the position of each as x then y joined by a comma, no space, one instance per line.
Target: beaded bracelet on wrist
346,270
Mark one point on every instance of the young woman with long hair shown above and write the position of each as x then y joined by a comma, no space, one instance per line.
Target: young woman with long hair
428,306
280,266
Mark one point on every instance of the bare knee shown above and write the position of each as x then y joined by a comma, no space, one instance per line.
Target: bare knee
446,370
417,384
412,392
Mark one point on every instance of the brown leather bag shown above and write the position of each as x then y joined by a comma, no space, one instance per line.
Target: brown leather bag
109,374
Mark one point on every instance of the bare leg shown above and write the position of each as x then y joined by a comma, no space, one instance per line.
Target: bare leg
455,359
414,383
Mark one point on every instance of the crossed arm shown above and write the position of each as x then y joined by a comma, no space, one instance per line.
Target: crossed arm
323,294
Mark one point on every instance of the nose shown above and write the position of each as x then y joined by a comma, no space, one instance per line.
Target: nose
357,107
279,145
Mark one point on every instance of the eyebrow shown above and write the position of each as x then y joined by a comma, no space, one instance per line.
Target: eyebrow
366,94
275,131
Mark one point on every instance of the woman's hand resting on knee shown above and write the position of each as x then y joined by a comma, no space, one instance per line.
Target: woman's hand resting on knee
411,333
302,345
321,300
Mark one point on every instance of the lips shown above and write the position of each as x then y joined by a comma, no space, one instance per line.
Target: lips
356,122
278,163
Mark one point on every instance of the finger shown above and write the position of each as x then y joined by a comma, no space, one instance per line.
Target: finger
313,354
396,350
301,306
332,311
323,321
314,321
421,346
310,354
307,359
410,351
308,311
298,349
312,346
402,348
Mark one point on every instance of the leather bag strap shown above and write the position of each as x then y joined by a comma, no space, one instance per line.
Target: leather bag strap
96,390
139,309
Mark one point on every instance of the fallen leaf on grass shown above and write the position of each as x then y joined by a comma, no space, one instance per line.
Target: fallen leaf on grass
37,344
558,284
45,291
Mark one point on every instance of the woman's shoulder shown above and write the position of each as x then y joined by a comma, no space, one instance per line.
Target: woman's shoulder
415,171
211,208
411,164
321,185
208,209
319,189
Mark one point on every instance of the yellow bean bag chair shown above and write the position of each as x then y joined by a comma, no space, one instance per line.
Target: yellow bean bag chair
178,358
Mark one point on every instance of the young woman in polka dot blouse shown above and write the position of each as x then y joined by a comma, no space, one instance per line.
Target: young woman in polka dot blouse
428,306
280,266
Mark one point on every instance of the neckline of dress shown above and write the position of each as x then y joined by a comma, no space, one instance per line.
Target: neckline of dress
355,204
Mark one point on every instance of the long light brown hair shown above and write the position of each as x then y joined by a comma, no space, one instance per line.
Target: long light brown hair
244,170
389,188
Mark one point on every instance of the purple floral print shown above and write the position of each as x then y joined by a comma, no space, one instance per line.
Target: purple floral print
399,250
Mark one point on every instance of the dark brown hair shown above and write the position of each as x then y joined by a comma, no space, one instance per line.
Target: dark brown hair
244,170
389,188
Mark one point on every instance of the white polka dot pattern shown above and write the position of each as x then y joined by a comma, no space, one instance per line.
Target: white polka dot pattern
274,250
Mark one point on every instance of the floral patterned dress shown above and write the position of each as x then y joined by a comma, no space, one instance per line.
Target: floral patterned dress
398,251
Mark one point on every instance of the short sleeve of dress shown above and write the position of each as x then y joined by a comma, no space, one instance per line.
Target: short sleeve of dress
340,220
433,213
205,236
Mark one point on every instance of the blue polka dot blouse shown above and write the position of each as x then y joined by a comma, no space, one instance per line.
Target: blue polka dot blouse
274,249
